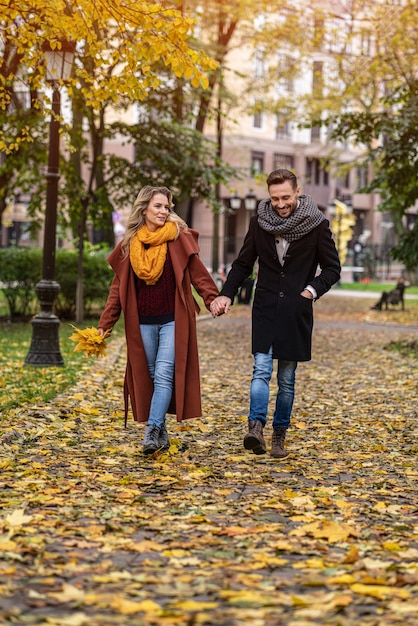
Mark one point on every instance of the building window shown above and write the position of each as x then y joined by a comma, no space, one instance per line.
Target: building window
317,171
282,161
258,119
286,69
318,78
19,234
362,177
283,128
257,163
319,32
308,170
315,133
259,71
313,171
326,174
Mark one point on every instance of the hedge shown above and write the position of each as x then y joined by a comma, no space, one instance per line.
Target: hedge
21,270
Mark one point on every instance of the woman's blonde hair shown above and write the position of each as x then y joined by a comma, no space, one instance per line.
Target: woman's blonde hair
137,218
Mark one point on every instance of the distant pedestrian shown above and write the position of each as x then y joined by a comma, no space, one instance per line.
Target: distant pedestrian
394,296
155,265
291,239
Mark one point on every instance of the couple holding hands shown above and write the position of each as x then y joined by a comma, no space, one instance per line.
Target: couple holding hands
156,265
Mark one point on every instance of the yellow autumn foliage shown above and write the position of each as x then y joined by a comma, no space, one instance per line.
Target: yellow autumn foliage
89,341
118,47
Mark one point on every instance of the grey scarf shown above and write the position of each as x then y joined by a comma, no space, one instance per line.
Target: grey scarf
305,218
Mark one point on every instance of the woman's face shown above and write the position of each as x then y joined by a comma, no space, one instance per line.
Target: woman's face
157,211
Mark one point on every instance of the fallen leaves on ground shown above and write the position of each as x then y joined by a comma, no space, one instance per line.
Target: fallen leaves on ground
94,533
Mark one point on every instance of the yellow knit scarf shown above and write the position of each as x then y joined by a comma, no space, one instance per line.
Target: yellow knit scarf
148,262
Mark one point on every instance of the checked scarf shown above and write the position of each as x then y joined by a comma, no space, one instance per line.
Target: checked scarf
305,218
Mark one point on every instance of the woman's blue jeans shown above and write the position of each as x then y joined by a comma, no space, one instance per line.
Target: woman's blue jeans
259,389
158,340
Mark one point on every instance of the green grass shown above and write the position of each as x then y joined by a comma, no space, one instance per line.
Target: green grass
405,347
20,384
375,287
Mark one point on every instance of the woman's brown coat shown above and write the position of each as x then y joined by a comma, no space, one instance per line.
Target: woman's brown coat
188,270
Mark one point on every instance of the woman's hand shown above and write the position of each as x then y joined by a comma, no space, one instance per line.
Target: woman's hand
219,305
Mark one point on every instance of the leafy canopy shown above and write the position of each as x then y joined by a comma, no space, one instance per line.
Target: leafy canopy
127,35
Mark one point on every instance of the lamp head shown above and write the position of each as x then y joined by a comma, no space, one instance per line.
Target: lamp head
59,57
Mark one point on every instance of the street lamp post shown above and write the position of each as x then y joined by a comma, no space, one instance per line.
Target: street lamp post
235,203
250,201
234,206
44,350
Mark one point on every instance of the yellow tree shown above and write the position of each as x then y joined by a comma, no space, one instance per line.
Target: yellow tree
118,44
361,50
225,26
137,34
342,225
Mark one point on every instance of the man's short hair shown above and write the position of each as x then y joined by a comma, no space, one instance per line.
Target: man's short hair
278,177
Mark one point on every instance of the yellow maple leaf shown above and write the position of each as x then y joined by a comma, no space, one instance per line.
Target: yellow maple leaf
69,593
193,605
325,529
381,592
127,607
352,555
247,596
76,619
18,518
342,579
392,546
89,341
147,546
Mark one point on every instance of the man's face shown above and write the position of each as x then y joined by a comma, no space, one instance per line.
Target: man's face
284,198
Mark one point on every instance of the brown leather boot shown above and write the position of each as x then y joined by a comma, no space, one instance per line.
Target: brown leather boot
277,443
254,439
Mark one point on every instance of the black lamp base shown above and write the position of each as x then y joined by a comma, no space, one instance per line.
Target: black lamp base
44,350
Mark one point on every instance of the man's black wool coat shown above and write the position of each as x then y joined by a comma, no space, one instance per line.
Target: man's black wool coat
281,316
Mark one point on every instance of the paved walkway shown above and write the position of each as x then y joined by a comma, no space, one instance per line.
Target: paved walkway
95,534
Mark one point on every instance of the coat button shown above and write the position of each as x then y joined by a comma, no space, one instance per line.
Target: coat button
281,294
282,274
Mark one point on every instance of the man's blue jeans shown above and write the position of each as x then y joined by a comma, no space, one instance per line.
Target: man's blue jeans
259,389
158,340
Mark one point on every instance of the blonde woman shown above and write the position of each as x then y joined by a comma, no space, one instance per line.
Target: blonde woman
155,266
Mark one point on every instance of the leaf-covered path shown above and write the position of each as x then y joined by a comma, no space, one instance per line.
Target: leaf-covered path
93,533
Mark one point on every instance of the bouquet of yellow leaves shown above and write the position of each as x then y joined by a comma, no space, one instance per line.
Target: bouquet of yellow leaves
89,341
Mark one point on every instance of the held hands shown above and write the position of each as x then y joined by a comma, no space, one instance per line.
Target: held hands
220,305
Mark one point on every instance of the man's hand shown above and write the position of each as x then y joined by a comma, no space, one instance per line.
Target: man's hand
220,305
307,294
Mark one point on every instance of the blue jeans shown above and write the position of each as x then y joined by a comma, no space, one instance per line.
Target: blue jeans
158,340
259,389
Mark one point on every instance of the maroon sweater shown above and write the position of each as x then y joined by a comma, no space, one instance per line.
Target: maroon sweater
156,302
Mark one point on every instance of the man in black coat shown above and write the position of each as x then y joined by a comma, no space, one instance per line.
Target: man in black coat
297,263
